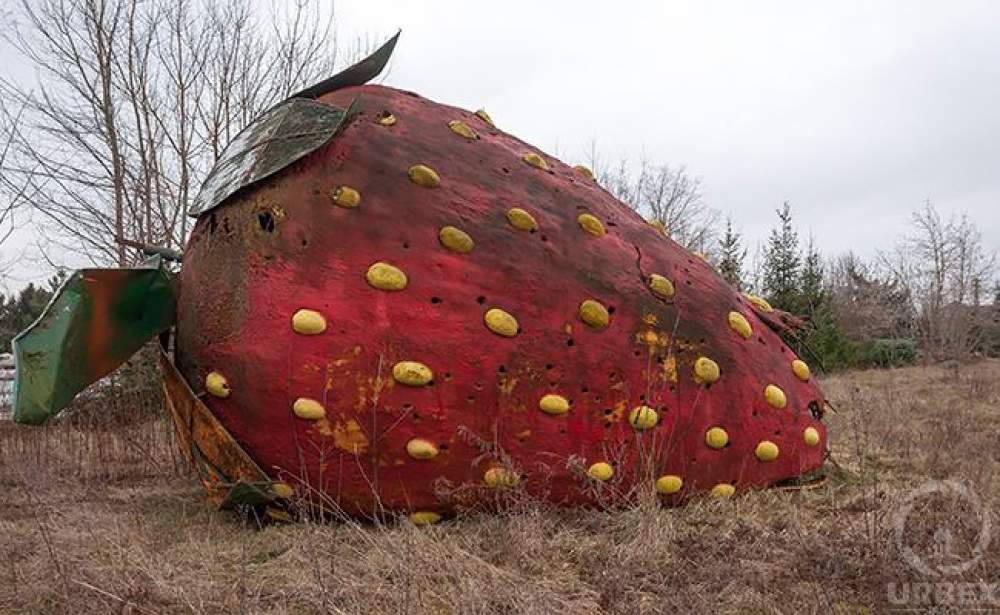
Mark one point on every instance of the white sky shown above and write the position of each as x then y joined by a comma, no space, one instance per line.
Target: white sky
854,111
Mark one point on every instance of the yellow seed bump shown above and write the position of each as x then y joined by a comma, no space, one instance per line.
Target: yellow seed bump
412,373
217,385
282,490
643,417
591,224
661,286
594,314
345,196
553,404
521,219
418,448
582,170
775,396
425,176
716,437
308,322
766,451
386,119
706,371
658,226
386,277
739,323
535,160
601,471
501,477
723,491
810,436
800,369
424,517
310,409
759,303
456,239
481,114
462,129
668,484
700,255
500,322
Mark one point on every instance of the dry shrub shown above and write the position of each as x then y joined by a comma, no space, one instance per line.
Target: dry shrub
104,520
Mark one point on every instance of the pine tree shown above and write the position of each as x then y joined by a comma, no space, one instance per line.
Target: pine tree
782,262
732,255
19,310
811,292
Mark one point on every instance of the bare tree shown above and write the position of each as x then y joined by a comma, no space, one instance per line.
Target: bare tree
868,301
667,194
13,193
8,201
945,266
135,101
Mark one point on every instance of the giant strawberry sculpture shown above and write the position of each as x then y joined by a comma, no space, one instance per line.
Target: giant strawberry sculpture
389,304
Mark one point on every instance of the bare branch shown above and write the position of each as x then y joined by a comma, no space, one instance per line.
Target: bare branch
136,100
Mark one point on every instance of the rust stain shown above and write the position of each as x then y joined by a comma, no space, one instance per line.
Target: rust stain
506,385
362,396
329,377
323,427
99,332
350,437
670,368
309,368
618,412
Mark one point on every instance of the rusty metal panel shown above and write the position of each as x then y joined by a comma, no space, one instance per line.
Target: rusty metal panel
220,462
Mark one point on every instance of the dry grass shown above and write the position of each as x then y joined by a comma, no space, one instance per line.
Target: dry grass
98,520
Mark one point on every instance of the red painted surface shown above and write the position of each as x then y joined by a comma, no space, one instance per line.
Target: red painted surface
241,284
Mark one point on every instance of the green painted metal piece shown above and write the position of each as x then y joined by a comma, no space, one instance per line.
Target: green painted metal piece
278,138
285,133
357,74
248,494
97,320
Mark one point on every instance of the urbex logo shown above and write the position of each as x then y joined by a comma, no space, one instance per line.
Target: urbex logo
945,555
951,545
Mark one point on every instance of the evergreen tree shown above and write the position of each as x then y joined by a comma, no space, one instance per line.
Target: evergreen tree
732,255
782,262
811,292
18,311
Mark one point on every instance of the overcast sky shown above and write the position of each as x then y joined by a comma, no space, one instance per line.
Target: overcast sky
855,112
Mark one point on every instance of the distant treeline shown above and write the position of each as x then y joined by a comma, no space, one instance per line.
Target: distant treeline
19,310
933,297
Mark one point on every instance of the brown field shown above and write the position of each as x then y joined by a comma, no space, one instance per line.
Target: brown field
95,521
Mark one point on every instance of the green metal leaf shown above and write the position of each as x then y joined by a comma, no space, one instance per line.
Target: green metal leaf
357,74
97,320
273,141
284,133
